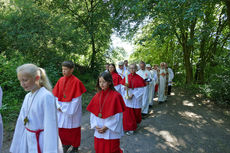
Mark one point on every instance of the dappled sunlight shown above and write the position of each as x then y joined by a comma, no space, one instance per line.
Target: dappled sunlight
173,94
187,103
218,121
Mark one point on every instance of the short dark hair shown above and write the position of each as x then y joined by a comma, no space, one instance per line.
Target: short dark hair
108,78
142,62
68,64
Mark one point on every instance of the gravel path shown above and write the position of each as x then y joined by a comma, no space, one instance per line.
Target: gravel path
184,124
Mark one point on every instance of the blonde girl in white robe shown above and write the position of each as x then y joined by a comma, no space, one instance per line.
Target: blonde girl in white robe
38,114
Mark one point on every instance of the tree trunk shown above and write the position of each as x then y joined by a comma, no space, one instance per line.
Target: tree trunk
200,66
227,3
188,66
92,62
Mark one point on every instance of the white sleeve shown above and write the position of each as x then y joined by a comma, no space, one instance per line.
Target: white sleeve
50,138
93,121
19,130
114,123
118,88
138,92
70,108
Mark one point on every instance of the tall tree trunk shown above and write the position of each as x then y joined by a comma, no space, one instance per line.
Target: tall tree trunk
188,66
92,62
227,3
200,66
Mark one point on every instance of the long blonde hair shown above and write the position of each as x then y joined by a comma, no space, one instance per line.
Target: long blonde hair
34,71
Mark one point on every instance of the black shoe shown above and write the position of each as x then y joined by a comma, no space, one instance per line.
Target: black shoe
150,106
65,148
160,102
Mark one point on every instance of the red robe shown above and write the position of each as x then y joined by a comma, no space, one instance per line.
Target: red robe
113,104
66,89
132,116
116,78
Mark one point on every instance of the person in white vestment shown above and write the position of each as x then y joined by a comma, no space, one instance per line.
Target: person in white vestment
1,123
145,74
126,66
121,70
36,130
170,78
151,84
162,77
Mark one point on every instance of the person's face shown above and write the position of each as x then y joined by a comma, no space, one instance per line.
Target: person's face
162,66
142,66
121,67
107,67
155,67
26,81
67,71
111,68
126,63
132,69
104,85
148,68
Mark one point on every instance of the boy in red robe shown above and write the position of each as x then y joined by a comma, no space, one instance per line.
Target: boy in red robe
106,108
68,92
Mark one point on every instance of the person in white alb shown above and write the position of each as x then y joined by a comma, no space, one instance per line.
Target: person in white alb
145,74
170,78
121,70
36,130
151,84
163,83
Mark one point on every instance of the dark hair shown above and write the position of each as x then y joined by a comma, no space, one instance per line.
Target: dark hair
114,67
108,78
142,62
68,64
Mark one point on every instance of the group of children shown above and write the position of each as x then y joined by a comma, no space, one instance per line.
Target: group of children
50,119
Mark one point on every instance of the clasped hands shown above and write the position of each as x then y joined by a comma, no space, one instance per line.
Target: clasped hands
101,130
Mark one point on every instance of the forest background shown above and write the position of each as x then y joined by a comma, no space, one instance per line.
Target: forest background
193,37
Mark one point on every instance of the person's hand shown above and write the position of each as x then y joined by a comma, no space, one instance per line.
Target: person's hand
59,109
131,97
147,83
101,130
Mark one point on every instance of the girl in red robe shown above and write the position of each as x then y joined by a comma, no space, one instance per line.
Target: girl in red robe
116,77
106,108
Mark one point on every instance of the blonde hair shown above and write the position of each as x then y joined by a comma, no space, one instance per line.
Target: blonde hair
34,71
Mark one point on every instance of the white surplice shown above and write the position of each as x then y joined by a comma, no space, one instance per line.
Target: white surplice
122,72
118,88
136,101
42,115
171,76
70,117
113,123
1,123
161,89
145,74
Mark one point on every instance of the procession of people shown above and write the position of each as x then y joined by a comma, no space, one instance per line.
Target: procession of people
50,118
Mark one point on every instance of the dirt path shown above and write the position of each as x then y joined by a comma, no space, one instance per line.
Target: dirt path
184,124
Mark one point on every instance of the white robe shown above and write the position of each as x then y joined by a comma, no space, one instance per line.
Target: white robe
1,123
152,87
113,123
122,72
136,101
145,74
161,89
42,115
171,76
70,117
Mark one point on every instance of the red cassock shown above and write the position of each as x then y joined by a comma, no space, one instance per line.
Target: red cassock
116,78
66,89
114,104
132,116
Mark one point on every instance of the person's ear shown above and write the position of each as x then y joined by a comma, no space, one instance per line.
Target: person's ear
72,70
37,78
